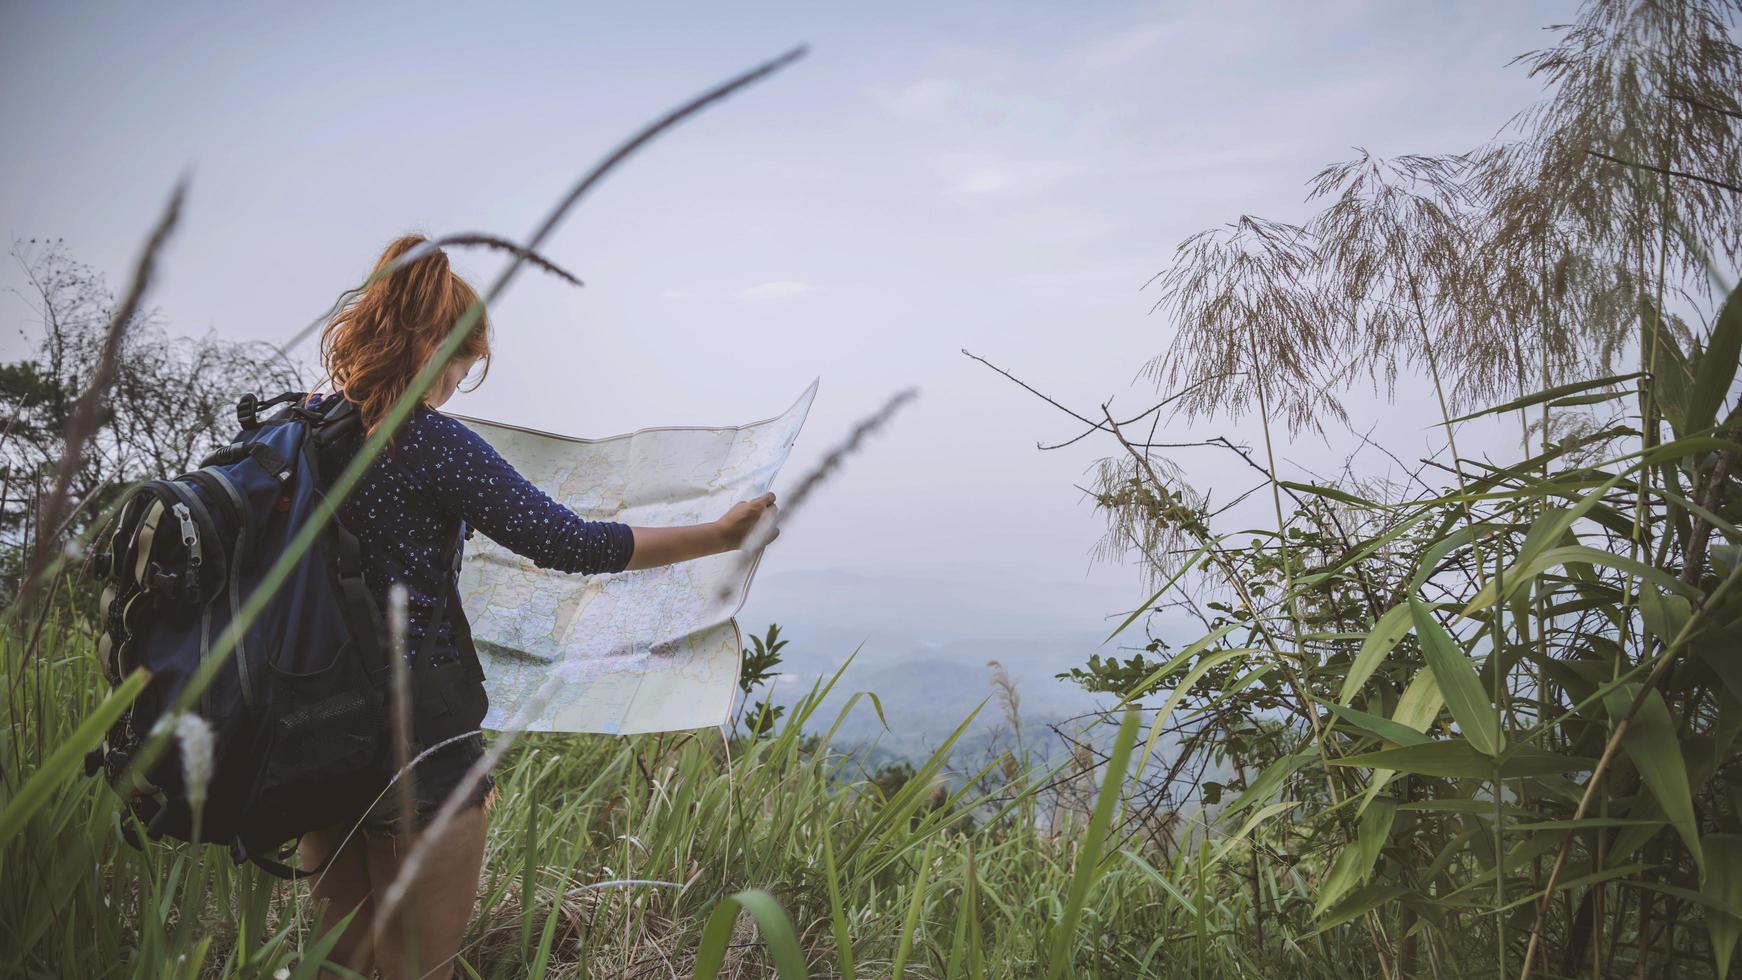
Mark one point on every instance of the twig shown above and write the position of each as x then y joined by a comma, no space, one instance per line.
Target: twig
85,414
1690,100
1669,172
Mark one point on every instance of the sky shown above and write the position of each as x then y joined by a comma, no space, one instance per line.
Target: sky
996,177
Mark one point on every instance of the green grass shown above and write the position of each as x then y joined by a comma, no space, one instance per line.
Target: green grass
780,827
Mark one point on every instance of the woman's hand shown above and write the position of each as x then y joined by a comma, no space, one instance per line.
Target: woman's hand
735,527
656,546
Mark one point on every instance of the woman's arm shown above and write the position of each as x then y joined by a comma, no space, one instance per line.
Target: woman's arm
656,546
473,480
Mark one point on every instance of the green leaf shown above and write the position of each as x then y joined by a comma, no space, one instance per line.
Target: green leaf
1174,663
1364,900
837,909
1376,726
1358,858
1089,852
1517,576
1199,669
1436,552
1652,745
67,759
1683,448
1578,400
1670,374
771,922
1456,758
1148,871
1270,780
1341,496
1252,823
1457,679
1582,881
910,925
1185,566
1416,710
1723,887
1548,395
1715,369
1381,640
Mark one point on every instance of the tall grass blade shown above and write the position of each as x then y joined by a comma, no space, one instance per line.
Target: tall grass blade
64,763
1089,850
915,905
771,921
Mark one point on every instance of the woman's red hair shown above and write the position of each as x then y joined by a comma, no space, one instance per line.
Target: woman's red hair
383,337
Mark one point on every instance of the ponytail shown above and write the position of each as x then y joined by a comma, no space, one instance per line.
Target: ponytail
378,342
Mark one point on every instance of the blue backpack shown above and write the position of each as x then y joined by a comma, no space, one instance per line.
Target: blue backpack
299,711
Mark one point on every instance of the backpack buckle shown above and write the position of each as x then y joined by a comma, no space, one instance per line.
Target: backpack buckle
248,408
248,413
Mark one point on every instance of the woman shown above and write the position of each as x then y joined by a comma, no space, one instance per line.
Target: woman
435,474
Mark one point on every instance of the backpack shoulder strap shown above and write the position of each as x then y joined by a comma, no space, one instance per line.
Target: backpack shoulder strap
334,432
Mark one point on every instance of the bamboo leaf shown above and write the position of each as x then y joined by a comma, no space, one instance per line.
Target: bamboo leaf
837,909
1436,552
1159,724
1175,662
1683,448
1383,728
1341,496
1723,888
910,925
1456,758
1518,576
1457,679
1360,903
1416,710
1656,752
1549,395
1391,628
1252,823
1578,400
1358,857
1582,881
1671,375
1715,369
1172,890
1185,566
1270,780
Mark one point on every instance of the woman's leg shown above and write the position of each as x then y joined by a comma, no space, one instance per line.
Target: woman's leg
343,886
424,933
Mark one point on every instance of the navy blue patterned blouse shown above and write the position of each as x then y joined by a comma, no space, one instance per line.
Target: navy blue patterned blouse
437,472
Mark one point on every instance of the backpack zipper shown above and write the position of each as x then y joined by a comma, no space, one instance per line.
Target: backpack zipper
190,536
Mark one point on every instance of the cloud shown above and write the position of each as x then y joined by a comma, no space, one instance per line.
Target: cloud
994,176
779,287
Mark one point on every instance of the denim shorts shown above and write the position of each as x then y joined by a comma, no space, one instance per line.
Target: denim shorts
434,777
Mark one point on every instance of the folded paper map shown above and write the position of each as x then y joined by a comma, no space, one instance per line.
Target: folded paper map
648,651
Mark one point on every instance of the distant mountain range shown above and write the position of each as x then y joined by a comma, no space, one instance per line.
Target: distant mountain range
923,646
